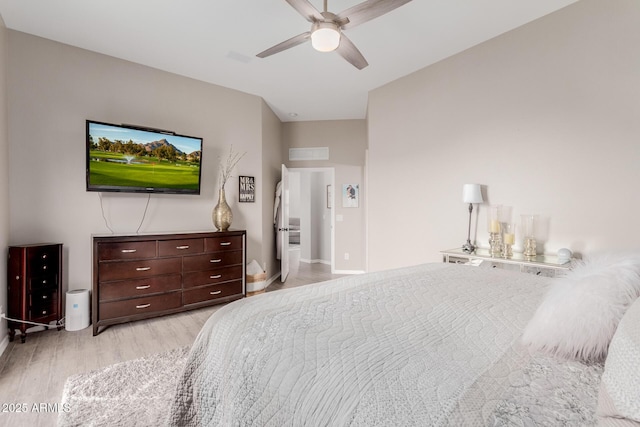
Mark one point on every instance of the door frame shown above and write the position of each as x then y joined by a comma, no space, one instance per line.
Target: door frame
283,223
332,179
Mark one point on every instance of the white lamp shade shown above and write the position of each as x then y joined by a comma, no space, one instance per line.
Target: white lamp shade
472,193
325,39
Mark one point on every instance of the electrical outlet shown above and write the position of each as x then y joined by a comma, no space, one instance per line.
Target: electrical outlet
346,256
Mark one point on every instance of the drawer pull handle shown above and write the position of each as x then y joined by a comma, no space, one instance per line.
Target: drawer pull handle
215,292
143,268
44,297
44,311
129,251
217,276
44,267
143,305
182,247
225,243
215,260
143,287
44,256
44,281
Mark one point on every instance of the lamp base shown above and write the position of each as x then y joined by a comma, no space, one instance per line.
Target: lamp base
468,248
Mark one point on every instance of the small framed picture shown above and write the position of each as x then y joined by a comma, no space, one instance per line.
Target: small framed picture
247,189
329,197
350,195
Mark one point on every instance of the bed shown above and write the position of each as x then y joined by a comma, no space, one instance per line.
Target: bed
436,344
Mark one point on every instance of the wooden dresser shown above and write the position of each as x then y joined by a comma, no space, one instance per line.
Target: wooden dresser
34,284
140,276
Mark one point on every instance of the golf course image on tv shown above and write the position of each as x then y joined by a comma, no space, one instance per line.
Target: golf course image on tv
129,159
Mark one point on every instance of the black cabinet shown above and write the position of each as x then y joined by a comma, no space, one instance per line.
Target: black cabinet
34,285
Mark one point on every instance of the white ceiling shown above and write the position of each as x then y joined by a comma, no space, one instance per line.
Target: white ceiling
216,41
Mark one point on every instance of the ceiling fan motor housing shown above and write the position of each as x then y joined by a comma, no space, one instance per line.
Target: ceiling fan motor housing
325,36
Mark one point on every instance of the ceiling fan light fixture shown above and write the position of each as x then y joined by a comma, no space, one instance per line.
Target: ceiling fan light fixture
325,36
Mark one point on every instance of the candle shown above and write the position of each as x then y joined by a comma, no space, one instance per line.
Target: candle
494,227
509,238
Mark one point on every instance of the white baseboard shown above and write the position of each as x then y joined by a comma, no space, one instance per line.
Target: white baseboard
316,261
262,285
278,274
4,344
348,272
272,279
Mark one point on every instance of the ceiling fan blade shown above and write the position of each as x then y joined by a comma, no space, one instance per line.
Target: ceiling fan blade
368,10
350,52
306,9
293,41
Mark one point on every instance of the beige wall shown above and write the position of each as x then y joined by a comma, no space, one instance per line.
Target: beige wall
346,140
54,88
4,179
545,116
271,170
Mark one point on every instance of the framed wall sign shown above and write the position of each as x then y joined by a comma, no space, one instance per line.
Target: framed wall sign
247,189
350,195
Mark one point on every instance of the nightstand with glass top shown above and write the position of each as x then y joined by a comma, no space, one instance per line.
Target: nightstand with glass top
541,265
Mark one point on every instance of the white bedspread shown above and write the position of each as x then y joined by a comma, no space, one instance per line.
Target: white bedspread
435,344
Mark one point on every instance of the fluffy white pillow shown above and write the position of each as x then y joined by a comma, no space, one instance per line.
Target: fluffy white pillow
619,396
581,311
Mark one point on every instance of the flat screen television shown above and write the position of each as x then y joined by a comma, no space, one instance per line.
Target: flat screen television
126,158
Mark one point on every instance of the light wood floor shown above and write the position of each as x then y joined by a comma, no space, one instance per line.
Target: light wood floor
35,372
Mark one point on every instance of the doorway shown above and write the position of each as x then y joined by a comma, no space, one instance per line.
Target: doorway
310,231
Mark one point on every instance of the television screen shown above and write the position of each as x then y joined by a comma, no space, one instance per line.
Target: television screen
126,158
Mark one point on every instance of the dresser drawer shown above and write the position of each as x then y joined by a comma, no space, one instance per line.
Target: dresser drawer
140,306
208,277
137,269
212,260
215,244
180,247
43,314
126,250
212,292
43,297
139,287
49,281
43,259
42,308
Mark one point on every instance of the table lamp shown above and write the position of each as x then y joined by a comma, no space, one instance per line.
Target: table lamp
471,193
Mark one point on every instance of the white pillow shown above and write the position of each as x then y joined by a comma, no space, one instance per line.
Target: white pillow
619,396
581,311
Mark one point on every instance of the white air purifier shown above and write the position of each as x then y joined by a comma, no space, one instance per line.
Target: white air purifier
77,310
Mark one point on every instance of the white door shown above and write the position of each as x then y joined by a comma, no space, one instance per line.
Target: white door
283,227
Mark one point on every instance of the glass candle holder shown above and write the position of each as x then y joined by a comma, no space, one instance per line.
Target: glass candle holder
493,219
495,235
528,229
504,214
508,239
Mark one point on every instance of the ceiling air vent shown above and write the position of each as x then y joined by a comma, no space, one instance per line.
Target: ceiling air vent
310,153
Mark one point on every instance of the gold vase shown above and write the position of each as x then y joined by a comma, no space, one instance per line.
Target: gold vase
222,215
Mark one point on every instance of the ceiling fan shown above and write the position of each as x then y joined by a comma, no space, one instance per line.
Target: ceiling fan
326,28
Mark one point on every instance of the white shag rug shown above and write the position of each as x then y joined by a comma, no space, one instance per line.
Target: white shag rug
133,393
